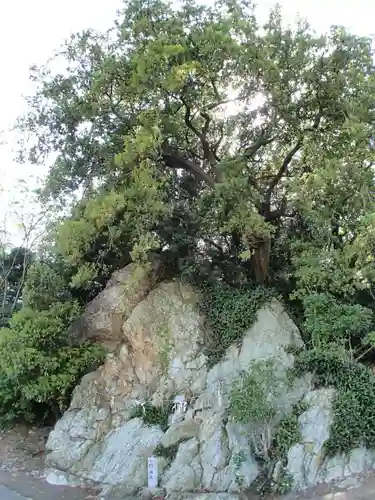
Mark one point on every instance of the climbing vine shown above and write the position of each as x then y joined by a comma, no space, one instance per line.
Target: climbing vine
229,311
353,406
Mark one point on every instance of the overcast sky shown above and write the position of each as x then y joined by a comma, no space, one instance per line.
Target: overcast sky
31,30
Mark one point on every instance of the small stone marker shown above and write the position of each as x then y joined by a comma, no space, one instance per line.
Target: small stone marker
152,472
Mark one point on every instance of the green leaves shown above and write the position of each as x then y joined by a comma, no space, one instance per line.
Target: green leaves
229,312
328,321
38,367
154,415
199,114
251,397
353,408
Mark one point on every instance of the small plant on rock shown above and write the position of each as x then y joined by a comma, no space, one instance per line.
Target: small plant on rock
168,452
251,402
153,415
287,433
239,459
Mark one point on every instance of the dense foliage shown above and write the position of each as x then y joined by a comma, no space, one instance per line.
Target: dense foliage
240,147
38,367
242,153
229,312
39,364
13,268
354,412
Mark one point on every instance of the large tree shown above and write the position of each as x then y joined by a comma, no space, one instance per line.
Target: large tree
194,128
235,150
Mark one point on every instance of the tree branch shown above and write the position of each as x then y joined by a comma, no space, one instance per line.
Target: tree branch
173,159
202,135
282,171
264,139
289,157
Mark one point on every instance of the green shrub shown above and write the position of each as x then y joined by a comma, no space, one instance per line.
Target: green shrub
283,484
229,311
153,415
44,286
251,401
38,367
328,320
286,435
248,398
353,407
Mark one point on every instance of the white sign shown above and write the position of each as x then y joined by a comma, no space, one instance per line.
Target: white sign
179,404
152,472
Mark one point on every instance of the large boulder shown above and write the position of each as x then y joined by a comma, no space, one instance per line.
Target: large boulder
105,315
162,332
307,463
105,437
161,355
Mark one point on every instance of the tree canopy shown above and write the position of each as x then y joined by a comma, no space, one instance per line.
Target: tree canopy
242,152
198,130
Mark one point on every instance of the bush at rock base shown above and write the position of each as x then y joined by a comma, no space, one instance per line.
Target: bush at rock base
287,433
38,367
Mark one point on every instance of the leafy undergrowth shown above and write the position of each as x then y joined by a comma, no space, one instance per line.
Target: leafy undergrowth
353,406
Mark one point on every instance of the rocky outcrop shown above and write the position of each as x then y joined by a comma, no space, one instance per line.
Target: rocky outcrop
106,438
307,463
105,315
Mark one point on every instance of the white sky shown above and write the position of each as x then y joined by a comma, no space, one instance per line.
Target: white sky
31,30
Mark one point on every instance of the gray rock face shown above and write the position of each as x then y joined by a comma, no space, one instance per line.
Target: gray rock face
185,473
306,458
181,431
306,461
160,357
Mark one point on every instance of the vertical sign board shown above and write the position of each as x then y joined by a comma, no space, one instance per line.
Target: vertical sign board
152,472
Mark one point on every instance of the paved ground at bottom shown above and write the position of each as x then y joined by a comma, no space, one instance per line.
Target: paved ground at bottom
22,487
7,494
19,486
365,490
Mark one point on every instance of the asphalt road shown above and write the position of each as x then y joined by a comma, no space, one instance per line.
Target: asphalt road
7,494
23,487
